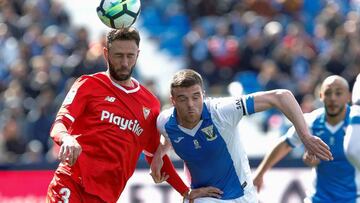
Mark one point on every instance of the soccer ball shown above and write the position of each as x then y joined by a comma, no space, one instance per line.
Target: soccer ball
118,13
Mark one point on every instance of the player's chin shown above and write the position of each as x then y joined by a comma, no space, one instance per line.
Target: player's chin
333,112
123,76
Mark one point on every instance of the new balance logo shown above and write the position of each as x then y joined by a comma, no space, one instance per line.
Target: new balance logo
110,99
178,139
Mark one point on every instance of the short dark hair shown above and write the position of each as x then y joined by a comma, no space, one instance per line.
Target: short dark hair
126,33
186,78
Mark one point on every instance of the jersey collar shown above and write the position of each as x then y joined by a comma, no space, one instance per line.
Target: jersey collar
127,91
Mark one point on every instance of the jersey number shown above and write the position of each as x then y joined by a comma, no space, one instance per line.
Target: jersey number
65,194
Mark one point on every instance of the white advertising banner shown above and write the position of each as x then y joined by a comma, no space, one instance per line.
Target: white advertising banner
280,186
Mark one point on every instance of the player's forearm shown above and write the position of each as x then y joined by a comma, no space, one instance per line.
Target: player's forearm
287,104
162,150
58,131
272,158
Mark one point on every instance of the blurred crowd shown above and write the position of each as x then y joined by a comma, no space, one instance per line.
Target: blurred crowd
41,54
261,44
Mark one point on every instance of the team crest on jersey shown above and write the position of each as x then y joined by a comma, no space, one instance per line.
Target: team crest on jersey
146,112
209,133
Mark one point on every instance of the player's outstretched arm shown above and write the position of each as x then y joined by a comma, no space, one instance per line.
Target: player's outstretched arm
285,101
70,149
279,151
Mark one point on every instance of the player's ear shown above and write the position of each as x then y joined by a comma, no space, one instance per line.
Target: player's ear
106,53
172,100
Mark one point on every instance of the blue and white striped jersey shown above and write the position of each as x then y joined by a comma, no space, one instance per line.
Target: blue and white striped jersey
333,181
212,150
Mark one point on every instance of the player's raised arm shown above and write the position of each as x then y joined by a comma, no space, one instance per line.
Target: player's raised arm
285,101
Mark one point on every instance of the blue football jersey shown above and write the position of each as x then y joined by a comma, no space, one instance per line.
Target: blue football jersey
334,181
212,150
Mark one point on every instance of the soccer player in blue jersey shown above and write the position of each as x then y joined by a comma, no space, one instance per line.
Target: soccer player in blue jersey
334,181
352,138
203,133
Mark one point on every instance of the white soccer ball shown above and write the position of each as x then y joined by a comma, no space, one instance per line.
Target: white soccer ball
118,13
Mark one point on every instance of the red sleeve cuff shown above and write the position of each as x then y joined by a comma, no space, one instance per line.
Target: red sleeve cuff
174,179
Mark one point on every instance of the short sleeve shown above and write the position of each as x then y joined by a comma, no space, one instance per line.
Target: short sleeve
292,138
230,110
75,100
161,121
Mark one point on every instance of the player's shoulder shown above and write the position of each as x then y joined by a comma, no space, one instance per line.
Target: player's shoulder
354,110
164,117
215,103
83,82
89,79
314,115
165,114
147,92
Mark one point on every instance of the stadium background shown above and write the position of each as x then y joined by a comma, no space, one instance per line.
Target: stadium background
238,46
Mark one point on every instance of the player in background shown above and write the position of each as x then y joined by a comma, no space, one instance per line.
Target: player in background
203,133
352,137
334,181
106,120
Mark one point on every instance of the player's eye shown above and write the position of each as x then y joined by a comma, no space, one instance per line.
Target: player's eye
131,56
181,99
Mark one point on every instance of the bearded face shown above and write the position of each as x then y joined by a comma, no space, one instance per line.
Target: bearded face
121,57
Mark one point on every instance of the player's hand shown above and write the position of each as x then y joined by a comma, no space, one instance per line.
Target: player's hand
258,181
317,147
310,159
204,192
155,170
70,150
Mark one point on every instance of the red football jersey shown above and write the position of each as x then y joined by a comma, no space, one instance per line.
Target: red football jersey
114,125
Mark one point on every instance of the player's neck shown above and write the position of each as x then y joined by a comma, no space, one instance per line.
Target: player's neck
125,83
187,124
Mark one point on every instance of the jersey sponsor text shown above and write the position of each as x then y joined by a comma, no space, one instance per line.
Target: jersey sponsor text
123,123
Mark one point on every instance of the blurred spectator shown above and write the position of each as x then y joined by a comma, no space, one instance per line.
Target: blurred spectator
12,141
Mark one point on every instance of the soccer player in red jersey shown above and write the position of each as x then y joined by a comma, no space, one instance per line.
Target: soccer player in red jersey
106,120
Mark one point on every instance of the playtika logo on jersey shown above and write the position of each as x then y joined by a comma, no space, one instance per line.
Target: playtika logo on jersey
123,123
